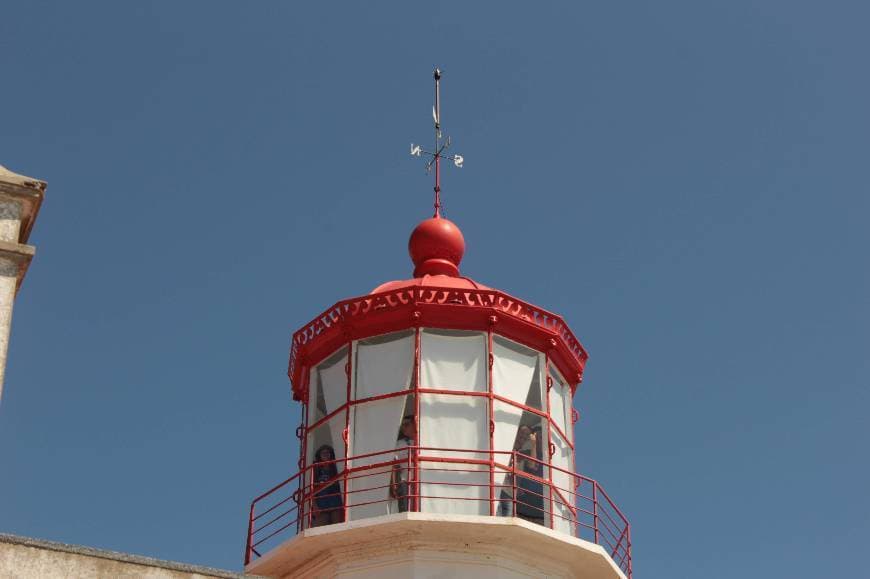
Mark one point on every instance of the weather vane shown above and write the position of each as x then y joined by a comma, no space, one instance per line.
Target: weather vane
439,153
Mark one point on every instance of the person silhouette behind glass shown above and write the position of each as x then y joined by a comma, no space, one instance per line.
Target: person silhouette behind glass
327,496
399,478
530,499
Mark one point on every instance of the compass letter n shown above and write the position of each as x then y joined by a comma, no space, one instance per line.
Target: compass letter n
416,150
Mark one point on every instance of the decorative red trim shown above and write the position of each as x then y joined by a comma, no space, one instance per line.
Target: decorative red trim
460,309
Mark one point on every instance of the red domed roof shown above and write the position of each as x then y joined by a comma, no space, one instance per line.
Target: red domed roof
436,247
440,281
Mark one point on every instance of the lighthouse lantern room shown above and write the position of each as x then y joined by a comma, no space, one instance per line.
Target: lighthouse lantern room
437,417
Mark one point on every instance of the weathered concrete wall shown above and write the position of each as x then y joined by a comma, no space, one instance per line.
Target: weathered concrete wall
23,558
10,220
421,563
8,282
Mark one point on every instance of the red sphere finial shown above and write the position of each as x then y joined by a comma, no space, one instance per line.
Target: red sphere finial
436,247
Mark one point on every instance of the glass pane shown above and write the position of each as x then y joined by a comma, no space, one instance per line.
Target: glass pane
375,429
329,434
384,364
503,491
564,516
325,454
563,489
328,383
563,471
507,421
568,403
453,360
515,372
455,488
560,394
529,447
449,421
454,426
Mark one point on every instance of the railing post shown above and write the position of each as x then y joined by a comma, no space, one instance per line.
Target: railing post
514,483
345,515
307,498
551,448
413,492
491,402
595,510
628,546
345,434
250,540
549,467
417,422
303,447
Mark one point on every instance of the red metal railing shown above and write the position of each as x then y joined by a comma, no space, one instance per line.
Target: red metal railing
583,510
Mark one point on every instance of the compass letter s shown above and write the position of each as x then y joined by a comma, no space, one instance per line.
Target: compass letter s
458,160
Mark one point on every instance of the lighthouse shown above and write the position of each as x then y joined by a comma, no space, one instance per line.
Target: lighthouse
437,433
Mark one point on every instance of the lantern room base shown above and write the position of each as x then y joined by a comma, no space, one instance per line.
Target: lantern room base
431,545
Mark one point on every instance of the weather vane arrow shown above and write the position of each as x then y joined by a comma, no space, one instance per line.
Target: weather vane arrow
439,151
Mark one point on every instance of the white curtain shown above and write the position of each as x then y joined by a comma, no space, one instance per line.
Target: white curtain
384,365
454,422
513,369
513,376
452,360
375,428
332,380
564,482
507,422
563,519
558,412
454,488
568,403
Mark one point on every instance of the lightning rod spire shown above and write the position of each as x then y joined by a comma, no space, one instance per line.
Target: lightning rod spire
438,154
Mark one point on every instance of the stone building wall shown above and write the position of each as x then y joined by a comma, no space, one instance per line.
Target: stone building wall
23,558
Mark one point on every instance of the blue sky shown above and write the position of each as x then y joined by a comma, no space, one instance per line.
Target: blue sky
685,182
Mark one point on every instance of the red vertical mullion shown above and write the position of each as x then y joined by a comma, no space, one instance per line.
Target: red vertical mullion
303,451
548,384
490,361
304,482
595,511
570,429
346,434
415,474
302,434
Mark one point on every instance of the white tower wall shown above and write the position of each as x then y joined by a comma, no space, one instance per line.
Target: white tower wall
430,546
